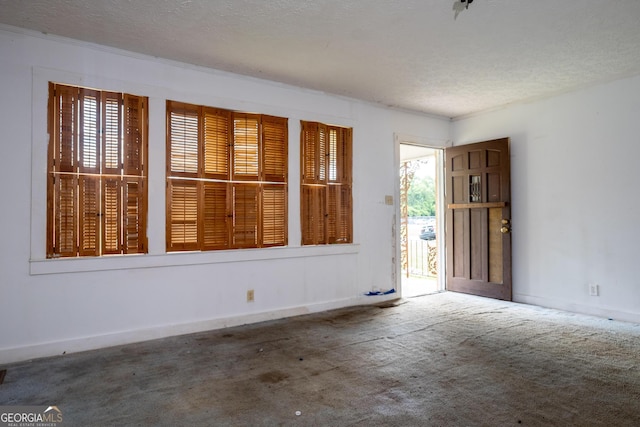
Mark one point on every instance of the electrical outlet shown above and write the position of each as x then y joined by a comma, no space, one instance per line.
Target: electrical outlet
250,295
594,290
388,200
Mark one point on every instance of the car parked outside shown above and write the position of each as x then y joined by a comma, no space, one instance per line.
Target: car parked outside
428,232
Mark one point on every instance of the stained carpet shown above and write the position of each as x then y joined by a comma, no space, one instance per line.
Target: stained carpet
439,360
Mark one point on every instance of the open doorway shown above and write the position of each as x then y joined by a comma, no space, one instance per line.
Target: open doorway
421,230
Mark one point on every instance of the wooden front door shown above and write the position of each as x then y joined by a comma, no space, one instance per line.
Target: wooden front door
478,219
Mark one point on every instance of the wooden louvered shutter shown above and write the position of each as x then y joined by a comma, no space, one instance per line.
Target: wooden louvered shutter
90,143
90,130
183,134
246,146
339,155
111,215
344,156
339,209
134,184
308,150
274,215
215,221
339,214
135,212
245,215
135,135
313,196
275,153
332,155
344,229
182,215
336,155
217,143
65,131
333,207
111,133
313,215
183,121
65,216
51,128
89,219
314,153
322,153
345,162
62,201
274,196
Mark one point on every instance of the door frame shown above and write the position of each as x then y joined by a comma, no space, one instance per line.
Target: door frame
438,146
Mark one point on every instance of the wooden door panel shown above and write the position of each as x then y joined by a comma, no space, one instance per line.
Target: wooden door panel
476,244
494,190
495,246
493,158
457,163
457,245
478,209
475,159
458,189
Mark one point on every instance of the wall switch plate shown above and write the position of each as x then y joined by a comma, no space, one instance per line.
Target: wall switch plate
250,295
594,290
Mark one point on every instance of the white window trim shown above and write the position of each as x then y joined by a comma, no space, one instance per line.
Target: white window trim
124,262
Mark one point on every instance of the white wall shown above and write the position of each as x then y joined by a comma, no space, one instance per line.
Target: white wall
51,306
575,163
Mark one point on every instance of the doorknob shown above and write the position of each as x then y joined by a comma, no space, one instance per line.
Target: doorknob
505,222
505,230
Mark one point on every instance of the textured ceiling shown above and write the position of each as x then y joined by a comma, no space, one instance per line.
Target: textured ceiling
409,54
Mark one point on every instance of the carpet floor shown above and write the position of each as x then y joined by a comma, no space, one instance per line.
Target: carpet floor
440,360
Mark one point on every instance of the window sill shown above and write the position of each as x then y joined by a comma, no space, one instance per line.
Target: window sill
125,262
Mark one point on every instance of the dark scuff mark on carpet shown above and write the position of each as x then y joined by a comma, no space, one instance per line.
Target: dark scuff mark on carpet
390,304
273,377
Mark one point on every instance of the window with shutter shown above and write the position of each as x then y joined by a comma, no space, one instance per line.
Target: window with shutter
96,185
326,198
226,179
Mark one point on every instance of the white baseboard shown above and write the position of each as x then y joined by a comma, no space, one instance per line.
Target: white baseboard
604,312
56,348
